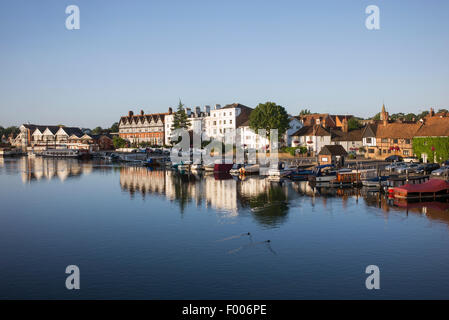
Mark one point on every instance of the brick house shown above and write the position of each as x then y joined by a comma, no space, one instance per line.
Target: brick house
143,127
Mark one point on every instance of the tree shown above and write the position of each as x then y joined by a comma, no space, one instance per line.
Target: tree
118,142
114,127
304,112
269,116
354,124
180,119
97,130
443,110
376,116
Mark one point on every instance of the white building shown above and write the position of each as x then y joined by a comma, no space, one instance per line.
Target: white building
295,125
312,137
196,121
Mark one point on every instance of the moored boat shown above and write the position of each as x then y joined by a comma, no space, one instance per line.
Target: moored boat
432,189
60,153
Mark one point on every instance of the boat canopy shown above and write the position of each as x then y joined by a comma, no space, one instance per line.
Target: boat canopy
433,185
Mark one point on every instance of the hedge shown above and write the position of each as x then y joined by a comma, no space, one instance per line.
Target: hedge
424,145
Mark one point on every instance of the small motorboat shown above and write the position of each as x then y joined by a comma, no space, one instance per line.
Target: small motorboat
300,175
323,174
236,169
184,166
249,169
278,171
196,167
379,181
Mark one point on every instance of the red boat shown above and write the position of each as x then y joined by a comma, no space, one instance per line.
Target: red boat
223,167
432,189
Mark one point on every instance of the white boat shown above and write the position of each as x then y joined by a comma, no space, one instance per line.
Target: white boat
196,167
184,166
235,169
250,169
60,153
278,170
209,167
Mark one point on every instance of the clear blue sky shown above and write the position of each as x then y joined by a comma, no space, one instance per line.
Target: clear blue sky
148,54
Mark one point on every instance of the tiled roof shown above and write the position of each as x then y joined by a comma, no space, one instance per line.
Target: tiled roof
353,135
138,117
311,131
434,127
397,130
333,150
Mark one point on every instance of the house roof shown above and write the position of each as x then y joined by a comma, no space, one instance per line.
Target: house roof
353,135
434,127
73,131
314,130
138,117
369,130
333,150
397,130
53,129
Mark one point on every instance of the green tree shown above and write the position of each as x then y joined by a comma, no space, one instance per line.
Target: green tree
269,116
114,127
180,119
443,110
422,115
97,130
304,112
376,116
118,142
354,124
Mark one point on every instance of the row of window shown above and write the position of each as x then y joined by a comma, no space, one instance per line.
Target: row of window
142,130
386,140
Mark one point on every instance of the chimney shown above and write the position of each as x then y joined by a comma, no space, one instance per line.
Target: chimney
130,114
188,111
142,112
432,113
217,107
170,110
345,127
198,111
207,109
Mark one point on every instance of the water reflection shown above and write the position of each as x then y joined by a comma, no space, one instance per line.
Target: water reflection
268,203
39,168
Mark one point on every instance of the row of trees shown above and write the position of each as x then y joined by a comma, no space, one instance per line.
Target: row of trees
113,129
7,131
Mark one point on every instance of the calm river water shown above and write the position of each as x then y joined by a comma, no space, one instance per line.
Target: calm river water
137,233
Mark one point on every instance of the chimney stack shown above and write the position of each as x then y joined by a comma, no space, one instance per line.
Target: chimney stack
198,111
142,112
345,127
188,111
217,107
432,113
207,109
170,110
130,113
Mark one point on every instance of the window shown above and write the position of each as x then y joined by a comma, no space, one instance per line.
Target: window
368,140
406,153
215,123
384,150
407,141
224,121
230,121
395,140
370,150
